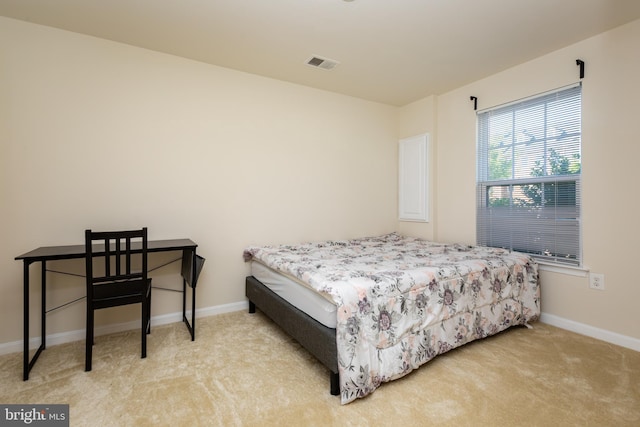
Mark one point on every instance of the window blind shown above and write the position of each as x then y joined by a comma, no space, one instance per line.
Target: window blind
528,176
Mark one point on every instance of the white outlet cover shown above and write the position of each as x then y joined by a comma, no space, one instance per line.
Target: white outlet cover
596,281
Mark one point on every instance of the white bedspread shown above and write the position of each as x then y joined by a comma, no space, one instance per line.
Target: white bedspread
402,300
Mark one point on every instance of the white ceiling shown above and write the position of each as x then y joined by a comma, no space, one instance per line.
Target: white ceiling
390,51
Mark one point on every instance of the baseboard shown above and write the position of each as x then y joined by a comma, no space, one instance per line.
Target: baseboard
591,331
77,335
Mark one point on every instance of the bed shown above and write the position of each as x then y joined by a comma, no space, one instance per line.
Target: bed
374,309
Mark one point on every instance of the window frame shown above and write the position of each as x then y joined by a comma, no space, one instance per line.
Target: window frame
546,220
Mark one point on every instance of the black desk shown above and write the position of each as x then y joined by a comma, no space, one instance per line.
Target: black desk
190,269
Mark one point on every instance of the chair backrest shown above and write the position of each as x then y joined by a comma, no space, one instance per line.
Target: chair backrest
117,255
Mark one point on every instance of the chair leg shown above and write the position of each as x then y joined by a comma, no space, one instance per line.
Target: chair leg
144,326
89,341
149,312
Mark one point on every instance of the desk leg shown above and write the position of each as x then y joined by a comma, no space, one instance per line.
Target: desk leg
190,326
25,311
189,277
28,364
43,313
194,280
193,313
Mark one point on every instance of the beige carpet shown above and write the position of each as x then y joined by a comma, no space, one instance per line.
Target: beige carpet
243,371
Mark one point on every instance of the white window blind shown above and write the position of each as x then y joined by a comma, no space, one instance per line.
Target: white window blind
528,183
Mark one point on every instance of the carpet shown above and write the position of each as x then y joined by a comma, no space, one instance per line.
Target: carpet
242,370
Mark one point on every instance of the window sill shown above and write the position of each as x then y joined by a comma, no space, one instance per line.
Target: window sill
563,269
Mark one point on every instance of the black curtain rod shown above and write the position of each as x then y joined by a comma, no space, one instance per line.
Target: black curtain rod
580,63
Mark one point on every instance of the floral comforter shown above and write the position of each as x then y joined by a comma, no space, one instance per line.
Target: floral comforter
402,300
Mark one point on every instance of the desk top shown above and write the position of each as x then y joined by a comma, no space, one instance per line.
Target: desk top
46,253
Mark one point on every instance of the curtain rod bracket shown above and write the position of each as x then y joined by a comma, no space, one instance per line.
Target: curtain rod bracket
580,63
475,102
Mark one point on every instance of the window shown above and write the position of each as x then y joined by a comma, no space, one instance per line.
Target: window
528,183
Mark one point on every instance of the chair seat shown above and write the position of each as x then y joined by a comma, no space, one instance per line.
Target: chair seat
113,294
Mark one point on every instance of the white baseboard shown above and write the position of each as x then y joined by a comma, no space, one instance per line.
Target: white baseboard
591,331
77,335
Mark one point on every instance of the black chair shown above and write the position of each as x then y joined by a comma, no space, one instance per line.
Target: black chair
112,280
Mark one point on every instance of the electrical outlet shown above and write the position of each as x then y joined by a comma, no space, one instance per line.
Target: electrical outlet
596,281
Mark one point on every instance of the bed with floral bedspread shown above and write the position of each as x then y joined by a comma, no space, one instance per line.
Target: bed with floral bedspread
402,301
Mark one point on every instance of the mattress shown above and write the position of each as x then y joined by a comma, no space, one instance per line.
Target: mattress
297,294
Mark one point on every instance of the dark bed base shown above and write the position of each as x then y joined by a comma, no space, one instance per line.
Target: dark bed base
316,338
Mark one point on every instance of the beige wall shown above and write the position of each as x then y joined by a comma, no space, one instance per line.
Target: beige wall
231,159
225,158
610,155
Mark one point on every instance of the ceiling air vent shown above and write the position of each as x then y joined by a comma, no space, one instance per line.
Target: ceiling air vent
323,63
